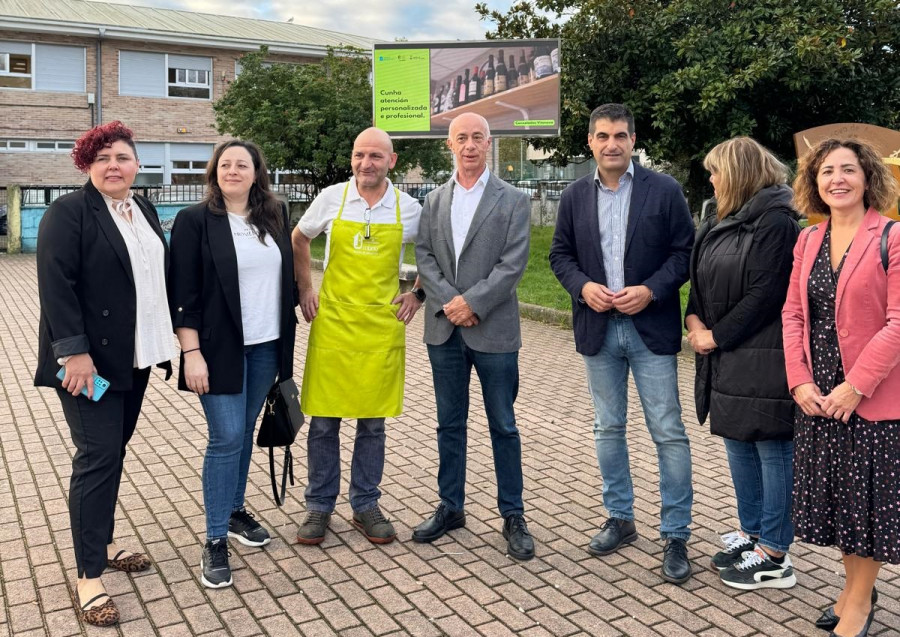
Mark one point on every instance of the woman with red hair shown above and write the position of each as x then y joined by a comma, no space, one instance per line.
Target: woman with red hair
101,264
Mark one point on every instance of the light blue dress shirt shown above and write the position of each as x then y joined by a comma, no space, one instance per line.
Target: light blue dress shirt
612,213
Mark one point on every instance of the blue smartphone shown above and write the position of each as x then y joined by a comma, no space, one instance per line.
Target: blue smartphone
100,384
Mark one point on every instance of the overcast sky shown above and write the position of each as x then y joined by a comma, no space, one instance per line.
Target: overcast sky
384,19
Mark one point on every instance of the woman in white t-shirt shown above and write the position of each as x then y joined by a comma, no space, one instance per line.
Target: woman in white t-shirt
232,297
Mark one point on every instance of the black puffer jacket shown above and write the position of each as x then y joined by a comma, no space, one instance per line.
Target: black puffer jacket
740,270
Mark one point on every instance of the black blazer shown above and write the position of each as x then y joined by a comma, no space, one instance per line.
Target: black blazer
86,288
204,294
658,241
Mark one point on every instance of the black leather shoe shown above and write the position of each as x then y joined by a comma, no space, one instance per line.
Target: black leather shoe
521,544
676,567
614,533
440,522
865,629
829,621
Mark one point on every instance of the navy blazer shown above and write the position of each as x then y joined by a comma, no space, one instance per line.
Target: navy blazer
658,244
86,288
204,294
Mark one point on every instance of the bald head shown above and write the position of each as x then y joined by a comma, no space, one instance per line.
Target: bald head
373,156
470,121
374,137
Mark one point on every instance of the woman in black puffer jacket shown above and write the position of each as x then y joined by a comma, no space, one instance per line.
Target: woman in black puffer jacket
740,270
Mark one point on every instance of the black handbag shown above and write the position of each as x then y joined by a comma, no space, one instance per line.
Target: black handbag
281,421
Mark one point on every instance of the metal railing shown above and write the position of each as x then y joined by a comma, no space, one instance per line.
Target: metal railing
541,188
44,195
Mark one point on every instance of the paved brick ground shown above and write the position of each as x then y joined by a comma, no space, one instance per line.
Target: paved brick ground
461,585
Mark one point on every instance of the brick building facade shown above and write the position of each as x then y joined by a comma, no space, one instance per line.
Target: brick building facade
159,72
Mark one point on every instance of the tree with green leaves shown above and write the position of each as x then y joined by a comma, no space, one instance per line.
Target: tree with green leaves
697,72
306,116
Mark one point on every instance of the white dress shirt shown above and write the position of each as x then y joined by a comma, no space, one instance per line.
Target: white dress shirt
462,208
154,341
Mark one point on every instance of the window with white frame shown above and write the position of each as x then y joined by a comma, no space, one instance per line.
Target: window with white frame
54,146
149,175
42,67
35,146
189,83
18,145
188,172
189,76
145,74
15,68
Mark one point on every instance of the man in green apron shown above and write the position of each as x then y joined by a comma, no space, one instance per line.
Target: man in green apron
355,360
471,254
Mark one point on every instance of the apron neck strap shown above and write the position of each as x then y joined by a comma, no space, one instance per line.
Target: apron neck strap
344,199
397,201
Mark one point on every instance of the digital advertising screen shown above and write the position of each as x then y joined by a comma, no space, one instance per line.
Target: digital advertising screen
419,87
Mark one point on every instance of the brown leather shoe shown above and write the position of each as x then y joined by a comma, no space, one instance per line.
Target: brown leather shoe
131,563
106,614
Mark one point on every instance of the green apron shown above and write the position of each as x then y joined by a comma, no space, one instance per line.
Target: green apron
356,356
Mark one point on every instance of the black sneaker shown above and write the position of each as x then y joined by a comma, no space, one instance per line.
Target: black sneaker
736,544
757,570
214,569
243,527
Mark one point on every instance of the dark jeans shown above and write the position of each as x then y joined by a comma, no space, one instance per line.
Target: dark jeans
451,365
100,431
323,452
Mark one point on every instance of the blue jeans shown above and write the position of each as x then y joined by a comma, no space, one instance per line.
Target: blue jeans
231,419
323,452
656,378
763,476
451,365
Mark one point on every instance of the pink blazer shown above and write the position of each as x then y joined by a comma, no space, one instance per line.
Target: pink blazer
867,316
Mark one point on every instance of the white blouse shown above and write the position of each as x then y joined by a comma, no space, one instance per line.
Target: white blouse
154,341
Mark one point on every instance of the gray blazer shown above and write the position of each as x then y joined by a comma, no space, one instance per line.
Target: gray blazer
491,264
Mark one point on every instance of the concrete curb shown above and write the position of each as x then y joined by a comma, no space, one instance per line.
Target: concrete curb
545,315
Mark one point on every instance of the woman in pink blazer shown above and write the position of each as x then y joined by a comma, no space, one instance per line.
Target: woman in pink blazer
842,345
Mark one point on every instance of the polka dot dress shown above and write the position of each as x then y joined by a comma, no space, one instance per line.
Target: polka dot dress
846,476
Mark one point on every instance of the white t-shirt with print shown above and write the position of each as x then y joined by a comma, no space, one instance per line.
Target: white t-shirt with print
259,277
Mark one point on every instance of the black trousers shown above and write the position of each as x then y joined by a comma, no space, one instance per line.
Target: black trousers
100,431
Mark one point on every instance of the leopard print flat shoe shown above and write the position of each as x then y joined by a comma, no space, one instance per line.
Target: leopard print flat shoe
106,614
131,563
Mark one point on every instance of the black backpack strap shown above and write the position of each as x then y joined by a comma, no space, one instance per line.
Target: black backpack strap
884,244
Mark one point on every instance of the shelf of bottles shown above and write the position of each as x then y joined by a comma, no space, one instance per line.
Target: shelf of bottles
493,90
